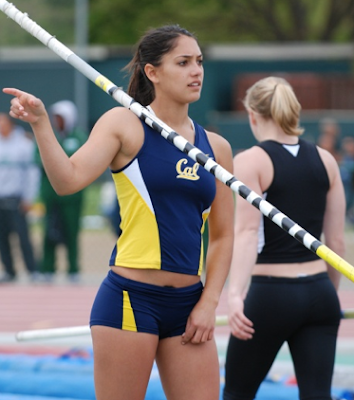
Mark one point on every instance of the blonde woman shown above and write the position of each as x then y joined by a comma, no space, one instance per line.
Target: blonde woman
279,291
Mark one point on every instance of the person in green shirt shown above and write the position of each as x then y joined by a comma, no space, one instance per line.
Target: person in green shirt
62,213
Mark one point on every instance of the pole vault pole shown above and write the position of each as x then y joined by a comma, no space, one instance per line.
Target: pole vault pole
267,209
61,333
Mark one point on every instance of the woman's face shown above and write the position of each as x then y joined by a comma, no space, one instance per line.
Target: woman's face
180,75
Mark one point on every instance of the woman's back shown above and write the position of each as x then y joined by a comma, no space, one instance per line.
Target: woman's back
298,189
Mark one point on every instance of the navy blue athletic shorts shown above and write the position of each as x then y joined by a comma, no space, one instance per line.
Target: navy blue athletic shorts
141,307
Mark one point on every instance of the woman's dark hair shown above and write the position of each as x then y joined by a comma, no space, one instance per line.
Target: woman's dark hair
150,50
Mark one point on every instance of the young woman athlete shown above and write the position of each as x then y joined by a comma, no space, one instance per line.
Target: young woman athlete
152,305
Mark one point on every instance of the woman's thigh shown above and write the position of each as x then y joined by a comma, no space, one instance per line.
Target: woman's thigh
189,371
122,362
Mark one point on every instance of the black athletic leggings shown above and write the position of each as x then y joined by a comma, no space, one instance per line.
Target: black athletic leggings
305,313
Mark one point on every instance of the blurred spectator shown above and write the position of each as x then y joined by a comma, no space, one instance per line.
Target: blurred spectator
19,180
329,138
62,213
347,173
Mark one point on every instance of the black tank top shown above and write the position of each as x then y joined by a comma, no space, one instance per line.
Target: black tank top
299,189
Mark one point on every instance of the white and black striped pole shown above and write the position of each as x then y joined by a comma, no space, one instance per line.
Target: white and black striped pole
61,333
267,209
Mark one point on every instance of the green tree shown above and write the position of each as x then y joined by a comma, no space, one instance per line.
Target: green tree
217,21
122,22
56,16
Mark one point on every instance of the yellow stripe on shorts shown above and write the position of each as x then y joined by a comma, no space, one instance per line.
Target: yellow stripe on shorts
128,323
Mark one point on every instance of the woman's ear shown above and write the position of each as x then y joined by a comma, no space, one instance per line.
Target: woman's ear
150,72
252,117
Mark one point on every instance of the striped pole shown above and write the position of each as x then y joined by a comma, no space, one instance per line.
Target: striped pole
53,333
348,313
284,222
61,333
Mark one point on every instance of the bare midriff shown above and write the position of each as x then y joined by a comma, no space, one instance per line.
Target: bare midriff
292,270
157,277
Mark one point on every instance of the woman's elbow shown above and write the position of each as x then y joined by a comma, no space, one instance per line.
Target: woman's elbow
63,190
337,245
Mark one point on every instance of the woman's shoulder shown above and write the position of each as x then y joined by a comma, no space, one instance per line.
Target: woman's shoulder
221,148
119,112
251,154
118,120
329,162
119,125
217,141
253,163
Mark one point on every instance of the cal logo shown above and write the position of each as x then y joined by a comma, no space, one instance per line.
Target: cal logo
186,172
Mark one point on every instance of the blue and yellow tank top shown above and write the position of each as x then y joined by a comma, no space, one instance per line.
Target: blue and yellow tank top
164,199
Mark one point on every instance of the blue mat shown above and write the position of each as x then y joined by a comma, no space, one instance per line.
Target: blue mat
70,377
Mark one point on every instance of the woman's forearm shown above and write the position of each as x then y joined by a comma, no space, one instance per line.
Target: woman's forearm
217,268
56,163
243,260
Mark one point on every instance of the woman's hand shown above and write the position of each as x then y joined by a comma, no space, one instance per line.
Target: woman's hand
25,106
240,325
200,325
